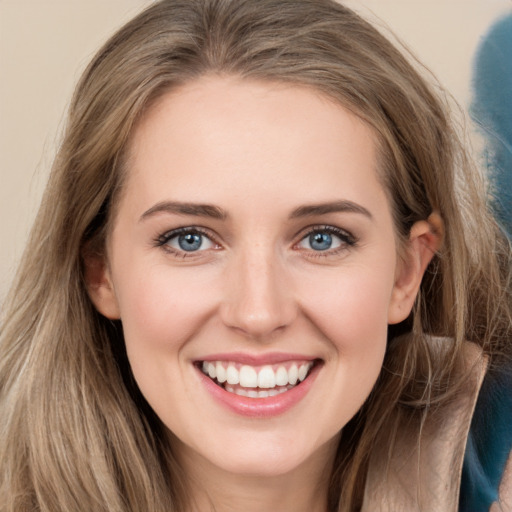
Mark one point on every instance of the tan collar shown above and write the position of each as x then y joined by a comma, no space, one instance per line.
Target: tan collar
423,472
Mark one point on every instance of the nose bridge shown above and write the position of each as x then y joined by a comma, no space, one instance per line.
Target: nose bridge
258,299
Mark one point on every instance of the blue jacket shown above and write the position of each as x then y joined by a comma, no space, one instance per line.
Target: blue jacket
489,443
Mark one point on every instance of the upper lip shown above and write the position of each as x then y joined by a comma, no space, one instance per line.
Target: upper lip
257,359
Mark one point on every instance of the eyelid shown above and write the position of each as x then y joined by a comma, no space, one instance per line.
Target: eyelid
163,239
348,240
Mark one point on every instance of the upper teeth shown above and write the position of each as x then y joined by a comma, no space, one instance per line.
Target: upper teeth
268,376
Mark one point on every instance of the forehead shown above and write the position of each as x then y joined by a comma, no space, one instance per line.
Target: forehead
228,135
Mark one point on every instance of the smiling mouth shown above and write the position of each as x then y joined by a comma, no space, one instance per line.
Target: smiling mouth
257,381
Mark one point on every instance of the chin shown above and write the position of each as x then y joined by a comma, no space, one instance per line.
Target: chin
271,457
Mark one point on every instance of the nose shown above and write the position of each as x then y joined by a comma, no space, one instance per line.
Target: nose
258,298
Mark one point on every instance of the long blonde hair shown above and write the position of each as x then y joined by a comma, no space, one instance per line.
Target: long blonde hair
75,432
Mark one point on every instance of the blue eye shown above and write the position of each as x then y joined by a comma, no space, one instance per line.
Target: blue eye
320,241
326,238
186,240
190,241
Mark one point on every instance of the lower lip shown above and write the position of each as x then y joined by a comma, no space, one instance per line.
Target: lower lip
260,407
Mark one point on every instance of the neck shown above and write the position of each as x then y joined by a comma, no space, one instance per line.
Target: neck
303,489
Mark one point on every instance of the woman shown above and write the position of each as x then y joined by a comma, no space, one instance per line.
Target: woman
253,278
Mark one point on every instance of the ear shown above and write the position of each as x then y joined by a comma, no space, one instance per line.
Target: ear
425,239
99,286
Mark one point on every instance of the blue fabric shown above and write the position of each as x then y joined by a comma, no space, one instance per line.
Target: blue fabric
489,443
492,111
490,438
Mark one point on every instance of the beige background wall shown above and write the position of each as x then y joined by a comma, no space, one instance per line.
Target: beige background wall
44,44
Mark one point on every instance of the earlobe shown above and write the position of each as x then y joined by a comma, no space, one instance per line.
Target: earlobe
425,240
100,287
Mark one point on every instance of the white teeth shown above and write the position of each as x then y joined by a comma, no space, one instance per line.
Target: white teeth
232,375
266,377
252,393
248,377
211,370
293,374
221,372
303,372
281,376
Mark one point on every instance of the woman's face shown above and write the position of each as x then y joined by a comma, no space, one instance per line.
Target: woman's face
253,243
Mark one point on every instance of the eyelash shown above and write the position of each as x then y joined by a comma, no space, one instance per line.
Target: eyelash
347,240
164,239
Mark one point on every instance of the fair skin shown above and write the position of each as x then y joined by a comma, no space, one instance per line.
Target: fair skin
287,256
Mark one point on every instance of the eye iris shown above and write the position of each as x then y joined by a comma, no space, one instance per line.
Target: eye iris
320,241
190,241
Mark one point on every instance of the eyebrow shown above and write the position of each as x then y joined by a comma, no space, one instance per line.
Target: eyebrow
179,208
331,207
214,212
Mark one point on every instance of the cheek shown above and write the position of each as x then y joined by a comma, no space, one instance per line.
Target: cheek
350,306
350,309
161,313
159,299
161,310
